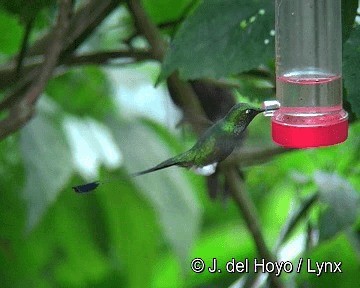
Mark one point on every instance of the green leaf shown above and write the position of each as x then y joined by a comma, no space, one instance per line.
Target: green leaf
47,161
82,91
351,69
162,11
70,243
336,250
78,256
222,38
348,13
342,204
168,191
25,9
11,207
132,230
11,33
225,241
65,245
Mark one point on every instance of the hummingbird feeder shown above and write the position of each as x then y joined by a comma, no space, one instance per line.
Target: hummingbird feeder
308,74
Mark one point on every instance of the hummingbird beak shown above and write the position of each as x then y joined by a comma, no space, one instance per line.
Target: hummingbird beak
269,109
259,110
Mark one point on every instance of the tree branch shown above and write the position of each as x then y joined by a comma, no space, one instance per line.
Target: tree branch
84,22
99,57
184,96
21,111
103,57
52,54
249,157
146,27
24,46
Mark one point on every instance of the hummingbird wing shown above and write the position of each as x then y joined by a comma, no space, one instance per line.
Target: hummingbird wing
85,188
213,147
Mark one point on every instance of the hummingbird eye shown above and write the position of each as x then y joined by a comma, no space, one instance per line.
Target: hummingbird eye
247,111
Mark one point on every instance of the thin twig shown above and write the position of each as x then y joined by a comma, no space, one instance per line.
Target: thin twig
21,111
249,157
24,46
103,57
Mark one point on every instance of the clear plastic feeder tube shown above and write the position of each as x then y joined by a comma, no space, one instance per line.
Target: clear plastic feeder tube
308,74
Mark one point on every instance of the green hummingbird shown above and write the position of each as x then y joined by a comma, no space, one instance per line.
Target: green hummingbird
214,146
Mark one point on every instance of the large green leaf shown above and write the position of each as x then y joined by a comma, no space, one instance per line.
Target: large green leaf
25,9
226,37
352,70
76,238
47,161
61,251
224,241
168,191
82,91
222,38
65,245
12,212
133,234
337,250
11,33
342,204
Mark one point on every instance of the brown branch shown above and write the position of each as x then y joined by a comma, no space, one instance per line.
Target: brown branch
52,54
21,111
184,95
146,27
99,57
24,46
240,196
249,157
84,22
104,57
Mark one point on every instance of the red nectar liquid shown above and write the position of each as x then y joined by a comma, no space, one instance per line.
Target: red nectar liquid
311,114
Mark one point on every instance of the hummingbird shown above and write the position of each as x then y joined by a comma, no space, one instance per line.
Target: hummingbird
214,146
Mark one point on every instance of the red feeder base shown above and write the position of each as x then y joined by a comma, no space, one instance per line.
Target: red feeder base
309,136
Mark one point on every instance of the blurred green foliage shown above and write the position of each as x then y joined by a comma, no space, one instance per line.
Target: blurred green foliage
144,232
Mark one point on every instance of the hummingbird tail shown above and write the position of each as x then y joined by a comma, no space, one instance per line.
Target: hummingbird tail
162,165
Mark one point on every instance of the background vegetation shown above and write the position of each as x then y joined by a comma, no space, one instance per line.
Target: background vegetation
78,104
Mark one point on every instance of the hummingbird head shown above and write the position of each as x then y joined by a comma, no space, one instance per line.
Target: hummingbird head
239,117
243,113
